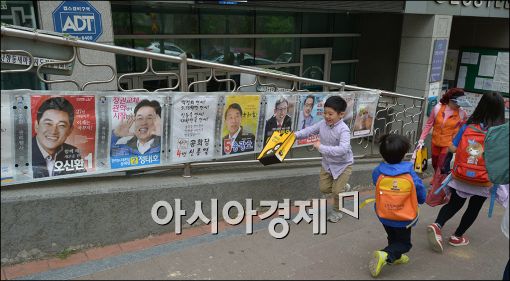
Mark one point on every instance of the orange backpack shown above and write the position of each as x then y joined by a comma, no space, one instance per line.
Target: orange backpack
395,198
469,165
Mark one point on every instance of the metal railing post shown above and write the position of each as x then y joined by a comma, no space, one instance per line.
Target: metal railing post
183,73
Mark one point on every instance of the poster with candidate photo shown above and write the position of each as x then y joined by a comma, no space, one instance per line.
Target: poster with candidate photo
193,127
136,122
365,110
240,120
280,110
7,165
310,112
350,99
63,134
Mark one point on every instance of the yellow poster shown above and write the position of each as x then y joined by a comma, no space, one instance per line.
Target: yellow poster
240,122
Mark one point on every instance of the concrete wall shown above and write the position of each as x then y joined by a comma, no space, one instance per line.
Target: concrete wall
378,50
43,219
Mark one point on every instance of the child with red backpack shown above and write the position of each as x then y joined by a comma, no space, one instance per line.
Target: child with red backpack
398,192
469,174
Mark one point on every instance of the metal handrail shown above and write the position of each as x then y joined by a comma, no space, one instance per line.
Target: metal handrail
182,82
70,41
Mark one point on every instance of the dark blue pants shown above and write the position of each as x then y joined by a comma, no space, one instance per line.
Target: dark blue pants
399,242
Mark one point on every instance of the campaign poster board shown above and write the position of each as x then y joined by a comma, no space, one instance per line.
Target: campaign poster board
193,127
365,110
240,120
136,130
311,110
63,134
280,111
7,148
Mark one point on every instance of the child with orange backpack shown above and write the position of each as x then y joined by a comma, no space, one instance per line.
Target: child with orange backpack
469,174
398,192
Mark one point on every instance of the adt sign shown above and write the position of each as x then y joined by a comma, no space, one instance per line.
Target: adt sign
79,19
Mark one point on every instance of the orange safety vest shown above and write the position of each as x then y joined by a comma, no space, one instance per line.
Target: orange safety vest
443,133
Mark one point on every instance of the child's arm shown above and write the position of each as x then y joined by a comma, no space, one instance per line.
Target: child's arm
421,192
341,148
306,132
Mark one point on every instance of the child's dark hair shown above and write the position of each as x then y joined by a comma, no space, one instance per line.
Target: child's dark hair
393,148
490,111
337,103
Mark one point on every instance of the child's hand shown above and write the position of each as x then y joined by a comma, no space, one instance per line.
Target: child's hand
317,144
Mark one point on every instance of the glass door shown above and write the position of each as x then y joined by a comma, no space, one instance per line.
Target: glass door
315,64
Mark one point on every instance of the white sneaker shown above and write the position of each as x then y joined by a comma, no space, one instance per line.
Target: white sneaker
334,216
347,187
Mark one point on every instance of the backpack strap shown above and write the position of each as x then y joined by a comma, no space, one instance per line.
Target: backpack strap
444,183
477,130
493,199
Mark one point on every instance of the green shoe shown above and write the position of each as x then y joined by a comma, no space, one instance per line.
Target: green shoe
403,260
377,262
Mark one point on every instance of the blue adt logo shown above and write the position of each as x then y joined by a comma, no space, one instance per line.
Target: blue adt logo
79,19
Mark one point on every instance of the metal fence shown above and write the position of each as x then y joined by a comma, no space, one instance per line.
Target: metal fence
396,113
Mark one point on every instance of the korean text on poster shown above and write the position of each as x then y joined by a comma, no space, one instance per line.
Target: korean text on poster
311,110
63,135
193,127
240,123
279,114
136,131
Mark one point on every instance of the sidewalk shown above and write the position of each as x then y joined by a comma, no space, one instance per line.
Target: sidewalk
342,253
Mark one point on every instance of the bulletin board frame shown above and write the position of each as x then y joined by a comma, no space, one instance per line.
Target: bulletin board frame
472,73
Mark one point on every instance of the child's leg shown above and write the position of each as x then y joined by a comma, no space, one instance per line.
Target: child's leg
325,181
450,209
469,217
339,185
399,242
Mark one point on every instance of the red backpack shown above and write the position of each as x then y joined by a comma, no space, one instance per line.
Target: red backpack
469,165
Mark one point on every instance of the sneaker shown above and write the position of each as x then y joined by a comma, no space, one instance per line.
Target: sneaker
334,216
347,187
458,241
434,237
403,260
377,262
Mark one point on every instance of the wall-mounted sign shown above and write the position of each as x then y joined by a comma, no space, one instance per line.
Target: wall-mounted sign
79,19
438,55
493,9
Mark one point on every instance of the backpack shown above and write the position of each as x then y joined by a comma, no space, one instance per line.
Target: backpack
496,159
395,198
469,165
496,154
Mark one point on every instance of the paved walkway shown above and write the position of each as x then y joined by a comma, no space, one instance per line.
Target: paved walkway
342,253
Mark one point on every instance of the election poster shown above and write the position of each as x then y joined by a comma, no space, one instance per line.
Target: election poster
239,124
7,165
365,111
63,134
193,127
136,122
279,116
350,99
310,112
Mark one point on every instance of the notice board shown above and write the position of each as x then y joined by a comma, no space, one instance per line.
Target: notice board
482,70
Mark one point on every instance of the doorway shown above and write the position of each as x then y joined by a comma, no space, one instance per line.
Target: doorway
315,64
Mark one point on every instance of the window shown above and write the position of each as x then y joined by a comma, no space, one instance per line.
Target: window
267,22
